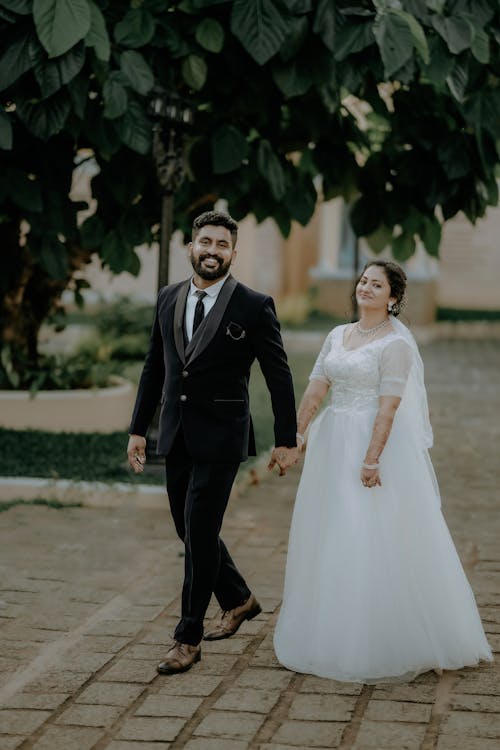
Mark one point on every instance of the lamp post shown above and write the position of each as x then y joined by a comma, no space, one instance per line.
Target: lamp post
172,115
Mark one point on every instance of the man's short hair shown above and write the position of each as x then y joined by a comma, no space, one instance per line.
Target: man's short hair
216,219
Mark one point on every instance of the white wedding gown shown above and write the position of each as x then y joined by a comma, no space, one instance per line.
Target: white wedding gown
374,589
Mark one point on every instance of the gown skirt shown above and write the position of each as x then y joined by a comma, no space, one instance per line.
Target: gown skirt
374,588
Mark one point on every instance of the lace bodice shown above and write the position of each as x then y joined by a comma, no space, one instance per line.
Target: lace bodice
359,376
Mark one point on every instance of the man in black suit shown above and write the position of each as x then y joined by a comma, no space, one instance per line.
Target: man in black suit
206,333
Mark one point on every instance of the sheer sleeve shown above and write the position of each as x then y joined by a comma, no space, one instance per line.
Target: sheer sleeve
318,371
395,364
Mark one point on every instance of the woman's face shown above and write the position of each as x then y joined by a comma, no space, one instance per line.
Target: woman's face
373,291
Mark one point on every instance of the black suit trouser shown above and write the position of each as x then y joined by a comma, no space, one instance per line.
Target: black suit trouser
198,492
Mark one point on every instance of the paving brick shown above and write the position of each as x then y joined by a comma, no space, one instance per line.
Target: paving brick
229,724
104,644
116,628
10,743
38,701
310,733
482,682
168,705
130,670
379,710
380,735
265,679
90,716
110,694
124,745
64,738
483,703
450,742
472,724
215,664
408,693
248,699
321,685
235,645
59,681
151,729
322,707
21,721
189,684
205,743
265,658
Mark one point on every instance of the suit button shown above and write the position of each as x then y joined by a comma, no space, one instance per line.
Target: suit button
184,397
185,373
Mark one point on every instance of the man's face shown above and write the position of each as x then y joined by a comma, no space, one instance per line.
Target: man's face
211,252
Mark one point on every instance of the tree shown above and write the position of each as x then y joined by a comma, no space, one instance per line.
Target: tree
393,105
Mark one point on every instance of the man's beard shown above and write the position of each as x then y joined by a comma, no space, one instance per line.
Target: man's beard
209,274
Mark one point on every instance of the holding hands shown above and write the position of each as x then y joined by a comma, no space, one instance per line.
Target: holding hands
283,458
370,476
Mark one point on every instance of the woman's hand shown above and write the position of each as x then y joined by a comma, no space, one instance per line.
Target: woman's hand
370,477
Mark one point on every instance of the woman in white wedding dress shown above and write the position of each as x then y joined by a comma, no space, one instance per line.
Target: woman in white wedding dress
374,589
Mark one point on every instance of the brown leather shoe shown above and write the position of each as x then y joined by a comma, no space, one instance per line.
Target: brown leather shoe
228,622
180,658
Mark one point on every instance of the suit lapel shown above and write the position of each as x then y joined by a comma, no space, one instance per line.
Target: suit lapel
180,306
208,327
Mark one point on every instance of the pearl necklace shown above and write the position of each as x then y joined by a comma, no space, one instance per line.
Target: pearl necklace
370,331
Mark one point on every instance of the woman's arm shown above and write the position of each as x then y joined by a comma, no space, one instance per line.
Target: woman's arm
381,430
310,403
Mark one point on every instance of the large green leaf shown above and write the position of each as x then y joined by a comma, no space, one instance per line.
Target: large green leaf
458,78
229,149
325,23
210,35
92,232
301,199
480,47
79,92
44,118
23,7
53,73
5,131
395,41
430,234
97,36
260,27
457,32
53,257
134,129
417,32
270,168
441,62
482,111
113,251
136,29
60,24
115,97
194,71
137,72
403,247
24,192
293,78
354,38
15,59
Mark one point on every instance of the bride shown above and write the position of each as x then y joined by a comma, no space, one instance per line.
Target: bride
374,588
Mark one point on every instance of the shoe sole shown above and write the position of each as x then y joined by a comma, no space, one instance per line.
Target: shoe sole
181,669
249,616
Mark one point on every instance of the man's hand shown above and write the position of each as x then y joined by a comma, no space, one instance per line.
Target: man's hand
283,458
136,452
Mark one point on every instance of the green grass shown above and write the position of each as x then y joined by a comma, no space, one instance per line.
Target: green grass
55,504
452,314
97,457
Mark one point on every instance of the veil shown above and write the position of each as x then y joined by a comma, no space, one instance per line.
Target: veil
414,402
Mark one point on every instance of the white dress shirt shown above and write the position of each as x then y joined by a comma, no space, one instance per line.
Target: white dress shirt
212,292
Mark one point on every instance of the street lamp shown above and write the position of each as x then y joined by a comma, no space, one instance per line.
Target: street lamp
172,115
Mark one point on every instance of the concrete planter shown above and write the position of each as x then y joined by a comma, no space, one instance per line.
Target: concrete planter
86,410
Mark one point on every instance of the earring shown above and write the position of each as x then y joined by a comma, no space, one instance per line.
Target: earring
390,305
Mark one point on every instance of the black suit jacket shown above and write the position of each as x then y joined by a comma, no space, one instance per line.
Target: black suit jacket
203,386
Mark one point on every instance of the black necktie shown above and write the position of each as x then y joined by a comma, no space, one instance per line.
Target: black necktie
199,310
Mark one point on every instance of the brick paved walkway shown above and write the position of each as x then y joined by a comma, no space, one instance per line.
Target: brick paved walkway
88,598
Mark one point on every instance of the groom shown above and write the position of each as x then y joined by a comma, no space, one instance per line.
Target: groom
206,333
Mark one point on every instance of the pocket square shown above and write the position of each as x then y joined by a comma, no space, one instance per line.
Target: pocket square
235,331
